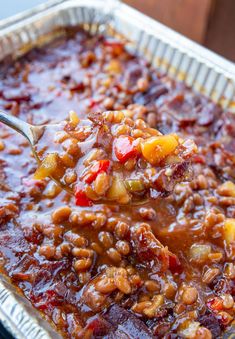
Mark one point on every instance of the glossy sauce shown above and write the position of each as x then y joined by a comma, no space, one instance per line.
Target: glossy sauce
164,270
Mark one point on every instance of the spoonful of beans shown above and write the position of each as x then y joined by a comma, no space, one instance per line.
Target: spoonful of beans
108,158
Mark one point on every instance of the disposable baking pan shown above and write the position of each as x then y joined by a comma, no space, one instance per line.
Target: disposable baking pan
181,58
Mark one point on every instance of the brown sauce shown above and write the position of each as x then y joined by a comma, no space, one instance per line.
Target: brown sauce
162,270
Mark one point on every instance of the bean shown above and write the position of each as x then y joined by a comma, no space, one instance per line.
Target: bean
48,251
210,274
75,239
97,248
152,119
65,248
152,286
114,255
70,177
227,301
108,103
84,277
82,252
123,247
121,229
190,295
101,183
142,84
139,307
203,333
61,214
82,264
105,285
106,239
170,290
122,284
71,146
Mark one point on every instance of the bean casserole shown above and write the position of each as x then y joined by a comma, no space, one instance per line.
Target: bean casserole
111,158
164,269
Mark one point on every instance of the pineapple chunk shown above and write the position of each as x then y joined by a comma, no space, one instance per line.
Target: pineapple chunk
47,167
199,253
114,66
118,191
155,149
229,230
227,189
73,117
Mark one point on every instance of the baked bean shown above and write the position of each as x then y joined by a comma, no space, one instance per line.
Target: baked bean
121,229
122,130
139,307
71,146
147,213
229,270
48,251
84,277
152,119
101,183
82,252
170,290
210,275
75,239
61,214
123,247
135,280
100,220
142,84
152,286
97,248
108,103
70,177
82,264
203,333
65,248
106,239
190,295
150,311
227,301
94,154
105,285
226,317
114,255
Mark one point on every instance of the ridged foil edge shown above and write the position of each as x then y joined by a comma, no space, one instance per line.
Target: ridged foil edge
17,319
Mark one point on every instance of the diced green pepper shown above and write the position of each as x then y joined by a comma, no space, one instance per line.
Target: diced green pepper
134,185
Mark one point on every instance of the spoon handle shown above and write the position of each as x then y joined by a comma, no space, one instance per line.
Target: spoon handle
19,125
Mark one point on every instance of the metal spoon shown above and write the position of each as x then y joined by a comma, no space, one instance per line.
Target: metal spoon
33,134
30,132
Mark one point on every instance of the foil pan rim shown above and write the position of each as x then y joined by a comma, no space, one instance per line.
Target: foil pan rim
171,36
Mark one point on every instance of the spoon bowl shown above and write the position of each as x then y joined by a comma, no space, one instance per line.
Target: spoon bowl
132,163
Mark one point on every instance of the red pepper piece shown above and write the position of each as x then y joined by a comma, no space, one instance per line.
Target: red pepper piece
94,102
98,167
81,198
174,264
199,159
116,46
215,304
124,148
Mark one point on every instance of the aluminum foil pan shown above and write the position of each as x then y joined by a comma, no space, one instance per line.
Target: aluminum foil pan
178,56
